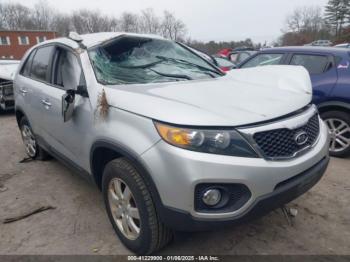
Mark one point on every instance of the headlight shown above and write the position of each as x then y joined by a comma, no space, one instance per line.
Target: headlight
222,142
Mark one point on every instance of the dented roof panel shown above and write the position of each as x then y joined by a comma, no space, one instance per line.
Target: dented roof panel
94,39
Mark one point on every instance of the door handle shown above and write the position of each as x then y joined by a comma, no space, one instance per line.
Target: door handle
46,103
23,91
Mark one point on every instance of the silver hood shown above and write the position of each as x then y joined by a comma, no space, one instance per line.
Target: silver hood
243,96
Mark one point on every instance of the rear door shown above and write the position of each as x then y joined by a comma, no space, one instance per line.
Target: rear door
322,70
36,75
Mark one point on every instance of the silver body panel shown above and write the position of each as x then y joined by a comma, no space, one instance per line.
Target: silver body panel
244,97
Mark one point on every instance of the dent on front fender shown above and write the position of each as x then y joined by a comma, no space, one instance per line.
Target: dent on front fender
133,132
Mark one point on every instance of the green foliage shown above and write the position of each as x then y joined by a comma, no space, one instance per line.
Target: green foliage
337,15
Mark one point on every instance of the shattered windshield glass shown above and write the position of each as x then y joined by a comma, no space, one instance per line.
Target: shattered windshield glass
134,60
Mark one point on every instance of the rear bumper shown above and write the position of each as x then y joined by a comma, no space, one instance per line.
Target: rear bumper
283,193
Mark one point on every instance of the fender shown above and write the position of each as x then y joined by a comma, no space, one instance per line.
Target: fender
136,161
334,103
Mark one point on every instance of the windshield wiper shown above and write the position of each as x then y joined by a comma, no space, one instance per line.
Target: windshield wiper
142,66
172,75
188,63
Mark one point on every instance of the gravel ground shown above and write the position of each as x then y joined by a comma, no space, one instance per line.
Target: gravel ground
79,224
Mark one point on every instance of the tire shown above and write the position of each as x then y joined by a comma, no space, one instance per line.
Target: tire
339,130
36,152
153,235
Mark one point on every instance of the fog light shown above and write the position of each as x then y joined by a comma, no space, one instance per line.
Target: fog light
211,197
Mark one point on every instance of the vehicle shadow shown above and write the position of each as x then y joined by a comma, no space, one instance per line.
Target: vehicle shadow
7,113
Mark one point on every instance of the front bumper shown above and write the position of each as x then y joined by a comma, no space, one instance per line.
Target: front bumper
176,172
281,195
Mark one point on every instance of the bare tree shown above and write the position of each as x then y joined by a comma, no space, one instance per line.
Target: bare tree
304,25
172,27
16,17
2,20
42,15
61,23
129,22
307,18
86,21
149,22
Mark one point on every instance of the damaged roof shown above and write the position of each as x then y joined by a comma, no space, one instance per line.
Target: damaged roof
93,39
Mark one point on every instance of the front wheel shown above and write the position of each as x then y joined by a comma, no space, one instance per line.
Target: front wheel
131,209
338,123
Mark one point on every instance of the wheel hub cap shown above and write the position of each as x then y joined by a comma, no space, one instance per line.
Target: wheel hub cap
339,132
124,210
28,140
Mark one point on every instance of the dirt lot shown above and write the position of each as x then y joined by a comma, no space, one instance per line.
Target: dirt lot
79,224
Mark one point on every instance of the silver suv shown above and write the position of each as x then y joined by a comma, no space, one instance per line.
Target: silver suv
172,141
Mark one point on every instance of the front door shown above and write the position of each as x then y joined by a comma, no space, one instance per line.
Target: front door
67,138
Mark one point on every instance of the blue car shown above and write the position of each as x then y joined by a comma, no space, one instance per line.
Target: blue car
329,69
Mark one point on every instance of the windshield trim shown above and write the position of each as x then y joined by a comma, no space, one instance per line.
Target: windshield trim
111,40
206,61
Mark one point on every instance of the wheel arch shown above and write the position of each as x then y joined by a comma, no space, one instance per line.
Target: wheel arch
102,152
334,106
19,114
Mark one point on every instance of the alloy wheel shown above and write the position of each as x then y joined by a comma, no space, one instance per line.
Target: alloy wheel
123,208
29,141
339,132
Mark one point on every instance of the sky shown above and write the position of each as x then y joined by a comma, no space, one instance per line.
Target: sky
219,20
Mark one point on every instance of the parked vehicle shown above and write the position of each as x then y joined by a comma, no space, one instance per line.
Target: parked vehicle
7,73
172,142
238,57
320,43
223,63
224,52
344,45
329,70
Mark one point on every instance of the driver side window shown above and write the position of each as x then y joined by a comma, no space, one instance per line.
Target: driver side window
68,73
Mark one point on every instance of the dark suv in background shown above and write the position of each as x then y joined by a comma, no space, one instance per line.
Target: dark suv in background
329,70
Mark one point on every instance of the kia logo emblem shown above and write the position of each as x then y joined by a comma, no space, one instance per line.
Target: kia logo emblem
301,138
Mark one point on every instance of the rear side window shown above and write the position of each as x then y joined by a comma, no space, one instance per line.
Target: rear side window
315,64
41,63
264,59
25,71
243,57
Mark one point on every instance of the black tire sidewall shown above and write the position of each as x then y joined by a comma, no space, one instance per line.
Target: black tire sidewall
344,117
142,244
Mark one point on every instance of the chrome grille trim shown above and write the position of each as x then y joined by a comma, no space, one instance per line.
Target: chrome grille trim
293,122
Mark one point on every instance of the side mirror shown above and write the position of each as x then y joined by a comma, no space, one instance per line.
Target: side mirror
68,100
81,90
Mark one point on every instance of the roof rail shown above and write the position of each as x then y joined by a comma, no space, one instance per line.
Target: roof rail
77,38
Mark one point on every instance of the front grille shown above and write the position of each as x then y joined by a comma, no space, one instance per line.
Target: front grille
281,143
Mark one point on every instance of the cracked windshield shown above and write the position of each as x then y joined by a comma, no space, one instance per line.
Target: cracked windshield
135,60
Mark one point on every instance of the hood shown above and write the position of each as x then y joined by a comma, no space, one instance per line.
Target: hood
243,96
8,69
